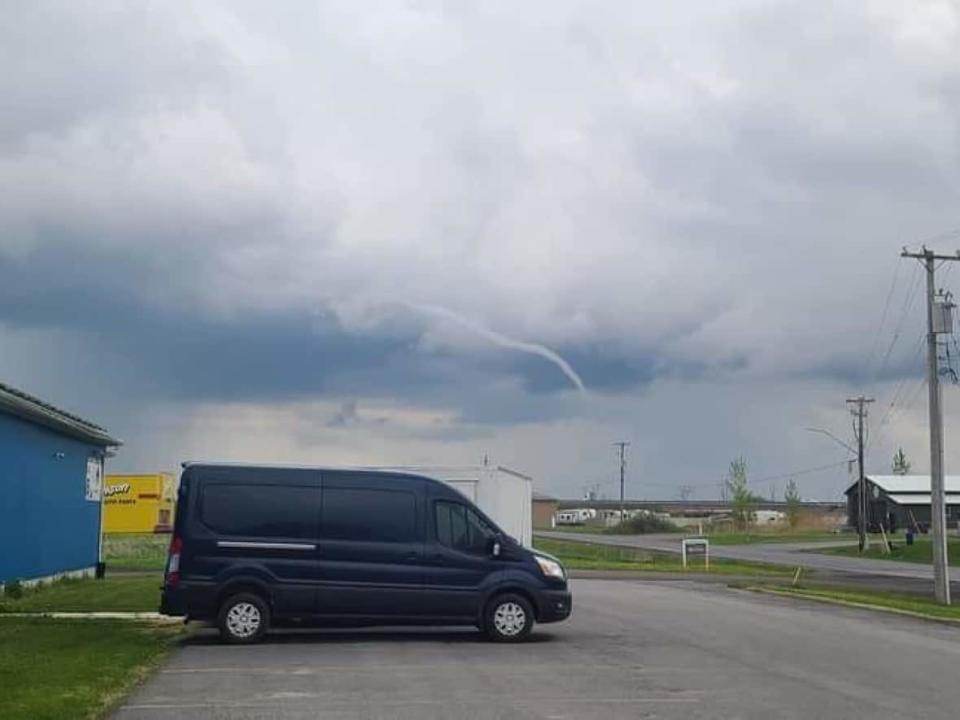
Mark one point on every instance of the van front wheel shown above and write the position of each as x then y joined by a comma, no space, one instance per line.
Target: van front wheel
509,618
243,618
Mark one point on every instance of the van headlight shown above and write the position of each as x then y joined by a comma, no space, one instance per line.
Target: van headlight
550,568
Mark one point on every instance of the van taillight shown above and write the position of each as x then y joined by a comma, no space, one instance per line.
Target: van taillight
173,562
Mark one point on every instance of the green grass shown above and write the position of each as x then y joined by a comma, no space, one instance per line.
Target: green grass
633,526
920,552
51,669
135,551
131,593
773,536
580,529
727,538
893,601
583,556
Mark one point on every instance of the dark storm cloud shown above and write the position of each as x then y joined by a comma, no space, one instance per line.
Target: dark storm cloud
179,350
213,203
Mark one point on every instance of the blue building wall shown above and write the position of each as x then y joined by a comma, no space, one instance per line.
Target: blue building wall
46,524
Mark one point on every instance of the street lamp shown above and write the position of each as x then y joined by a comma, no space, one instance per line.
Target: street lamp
861,486
832,437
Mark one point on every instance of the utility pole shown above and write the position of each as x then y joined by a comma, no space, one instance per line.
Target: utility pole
938,322
860,414
622,446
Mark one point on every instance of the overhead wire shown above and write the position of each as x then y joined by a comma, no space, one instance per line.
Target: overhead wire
901,401
898,328
897,396
883,315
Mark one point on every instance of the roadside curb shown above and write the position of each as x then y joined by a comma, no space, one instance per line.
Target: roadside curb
848,603
139,616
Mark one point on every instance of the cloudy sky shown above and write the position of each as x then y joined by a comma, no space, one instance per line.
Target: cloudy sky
405,233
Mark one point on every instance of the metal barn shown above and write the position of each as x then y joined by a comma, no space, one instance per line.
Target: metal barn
901,501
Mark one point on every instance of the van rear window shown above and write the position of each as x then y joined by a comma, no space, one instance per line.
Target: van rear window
263,511
368,514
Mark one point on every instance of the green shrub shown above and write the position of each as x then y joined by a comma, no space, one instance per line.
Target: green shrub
13,590
643,524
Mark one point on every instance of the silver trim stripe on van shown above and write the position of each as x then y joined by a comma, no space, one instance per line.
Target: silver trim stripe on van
265,545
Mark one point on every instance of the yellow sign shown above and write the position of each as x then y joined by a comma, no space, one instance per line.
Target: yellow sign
138,503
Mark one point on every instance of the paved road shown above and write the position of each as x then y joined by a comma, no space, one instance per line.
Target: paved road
791,554
630,650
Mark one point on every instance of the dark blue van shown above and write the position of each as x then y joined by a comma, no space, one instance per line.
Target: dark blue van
255,546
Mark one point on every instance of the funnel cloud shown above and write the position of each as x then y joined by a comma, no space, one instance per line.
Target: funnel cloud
501,340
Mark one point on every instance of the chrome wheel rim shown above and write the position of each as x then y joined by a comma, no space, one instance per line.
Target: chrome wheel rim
509,619
243,620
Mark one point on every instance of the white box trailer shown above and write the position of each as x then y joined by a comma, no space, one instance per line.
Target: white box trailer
504,494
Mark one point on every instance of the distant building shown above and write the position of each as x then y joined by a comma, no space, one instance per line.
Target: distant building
768,517
575,516
138,503
899,501
544,511
52,476
504,494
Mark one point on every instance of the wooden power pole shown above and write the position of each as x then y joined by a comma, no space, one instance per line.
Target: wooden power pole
939,321
860,413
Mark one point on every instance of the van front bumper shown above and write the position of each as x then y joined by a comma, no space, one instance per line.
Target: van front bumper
554,605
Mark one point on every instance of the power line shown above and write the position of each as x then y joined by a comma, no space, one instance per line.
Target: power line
765,479
805,471
897,407
883,315
901,386
770,478
898,328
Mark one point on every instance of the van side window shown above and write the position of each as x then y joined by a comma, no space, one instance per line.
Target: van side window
370,515
265,511
460,528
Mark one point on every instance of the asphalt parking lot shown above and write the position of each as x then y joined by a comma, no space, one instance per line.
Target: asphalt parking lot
630,650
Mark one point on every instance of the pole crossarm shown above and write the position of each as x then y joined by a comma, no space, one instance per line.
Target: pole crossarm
928,254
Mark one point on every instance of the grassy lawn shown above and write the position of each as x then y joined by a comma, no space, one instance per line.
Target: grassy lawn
74,668
920,552
773,536
888,600
580,529
581,556
727,538
135,551
132,593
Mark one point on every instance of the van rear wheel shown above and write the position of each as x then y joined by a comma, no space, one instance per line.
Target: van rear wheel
243,618
509,618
